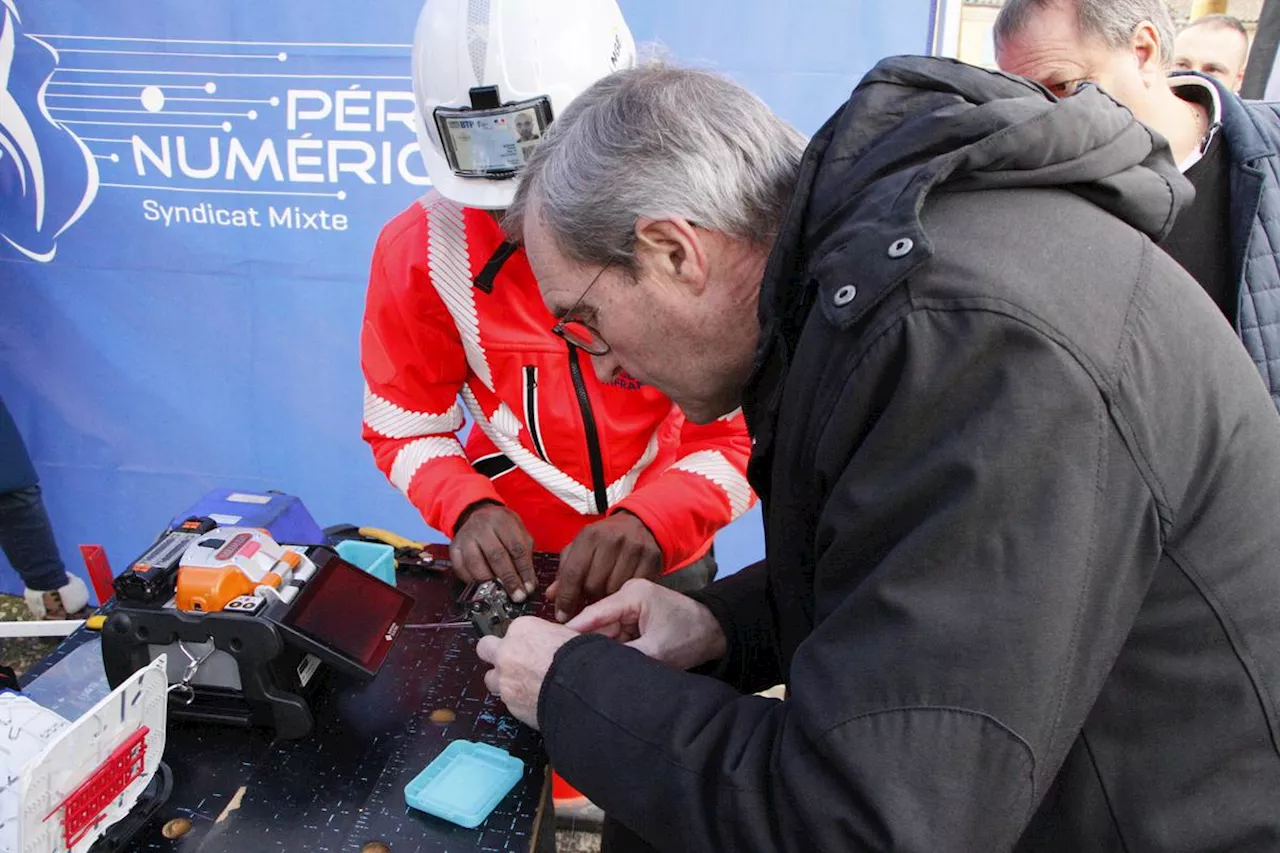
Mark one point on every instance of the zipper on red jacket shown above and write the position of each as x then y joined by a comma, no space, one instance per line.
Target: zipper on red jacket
593,436
531,410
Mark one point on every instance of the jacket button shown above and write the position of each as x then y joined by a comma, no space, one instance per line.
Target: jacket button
845,295
901,247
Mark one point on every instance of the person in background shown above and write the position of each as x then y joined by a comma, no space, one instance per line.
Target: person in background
26,537
1019,479
593,465
1228,148
1216,46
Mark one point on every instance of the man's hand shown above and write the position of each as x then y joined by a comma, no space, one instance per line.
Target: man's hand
601,558
520,663
490,541
665,625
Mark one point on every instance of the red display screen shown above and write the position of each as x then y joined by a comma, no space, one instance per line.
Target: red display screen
351,613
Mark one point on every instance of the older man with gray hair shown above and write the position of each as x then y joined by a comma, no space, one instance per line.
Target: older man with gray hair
1019,478
1228,148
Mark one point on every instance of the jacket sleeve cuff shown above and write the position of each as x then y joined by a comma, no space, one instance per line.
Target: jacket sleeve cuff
672,557
559,669
683,511
599,699
740,604
443,496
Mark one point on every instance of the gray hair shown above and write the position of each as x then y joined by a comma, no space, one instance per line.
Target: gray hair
658,142
1114,21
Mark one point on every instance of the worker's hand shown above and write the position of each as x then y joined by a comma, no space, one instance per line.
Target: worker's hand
665,625
600,559
520,663
490,541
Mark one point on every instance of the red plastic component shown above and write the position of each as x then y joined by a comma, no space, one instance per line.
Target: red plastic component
562,791
95,560
83,807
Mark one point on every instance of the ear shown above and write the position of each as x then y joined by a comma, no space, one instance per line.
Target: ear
672,251
1239,82
1145,44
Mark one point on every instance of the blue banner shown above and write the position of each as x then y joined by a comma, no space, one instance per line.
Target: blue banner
189,197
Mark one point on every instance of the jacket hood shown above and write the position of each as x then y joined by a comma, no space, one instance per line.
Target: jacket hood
920,119
916,124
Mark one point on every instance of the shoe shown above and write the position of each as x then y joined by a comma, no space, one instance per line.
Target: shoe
65,602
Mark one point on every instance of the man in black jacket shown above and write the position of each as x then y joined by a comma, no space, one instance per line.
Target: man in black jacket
1019,479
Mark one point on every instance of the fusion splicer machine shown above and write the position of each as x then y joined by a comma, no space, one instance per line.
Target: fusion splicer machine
248,626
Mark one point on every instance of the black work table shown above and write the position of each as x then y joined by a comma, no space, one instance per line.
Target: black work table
342,787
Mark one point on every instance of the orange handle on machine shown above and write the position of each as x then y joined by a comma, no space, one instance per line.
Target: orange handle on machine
212,573
205,590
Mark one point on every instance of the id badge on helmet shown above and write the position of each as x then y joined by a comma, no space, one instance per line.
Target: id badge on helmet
492,143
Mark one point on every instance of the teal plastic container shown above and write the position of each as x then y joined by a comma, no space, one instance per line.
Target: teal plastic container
465,782
375,558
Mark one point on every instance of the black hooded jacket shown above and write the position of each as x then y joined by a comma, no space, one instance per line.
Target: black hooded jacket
1020,484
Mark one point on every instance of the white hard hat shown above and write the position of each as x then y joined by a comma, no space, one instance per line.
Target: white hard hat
489,75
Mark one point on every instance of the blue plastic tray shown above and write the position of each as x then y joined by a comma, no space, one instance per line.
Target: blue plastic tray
375,558
465,782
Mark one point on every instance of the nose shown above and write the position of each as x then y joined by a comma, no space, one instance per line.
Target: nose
606,367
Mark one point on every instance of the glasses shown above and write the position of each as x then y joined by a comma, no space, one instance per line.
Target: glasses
576,332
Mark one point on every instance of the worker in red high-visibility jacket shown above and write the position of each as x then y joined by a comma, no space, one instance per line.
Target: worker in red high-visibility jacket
602,469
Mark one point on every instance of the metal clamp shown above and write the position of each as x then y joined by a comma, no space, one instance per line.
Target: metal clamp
187,693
